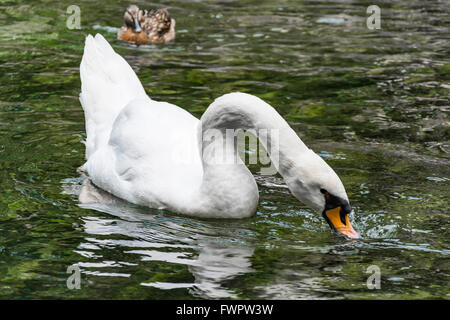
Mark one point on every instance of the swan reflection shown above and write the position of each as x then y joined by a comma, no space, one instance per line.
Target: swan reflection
214,252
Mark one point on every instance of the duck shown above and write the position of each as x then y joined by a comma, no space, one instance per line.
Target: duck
157,155
146,27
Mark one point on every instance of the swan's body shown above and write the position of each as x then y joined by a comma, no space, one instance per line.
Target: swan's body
158,155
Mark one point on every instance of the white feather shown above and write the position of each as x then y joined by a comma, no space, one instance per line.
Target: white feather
107,84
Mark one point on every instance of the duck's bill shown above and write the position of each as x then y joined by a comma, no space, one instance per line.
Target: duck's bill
137,26
341,223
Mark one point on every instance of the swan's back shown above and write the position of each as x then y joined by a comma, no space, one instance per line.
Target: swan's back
108,84
138,149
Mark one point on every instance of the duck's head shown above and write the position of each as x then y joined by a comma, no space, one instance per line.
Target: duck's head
132,17
315,183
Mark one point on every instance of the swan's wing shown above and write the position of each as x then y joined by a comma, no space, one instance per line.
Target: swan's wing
108,83
152,157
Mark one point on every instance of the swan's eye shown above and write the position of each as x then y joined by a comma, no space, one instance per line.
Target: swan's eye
326,194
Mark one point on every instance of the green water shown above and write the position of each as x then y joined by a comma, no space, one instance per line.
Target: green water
373,103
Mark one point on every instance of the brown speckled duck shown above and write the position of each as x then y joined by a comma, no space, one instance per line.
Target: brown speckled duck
146,27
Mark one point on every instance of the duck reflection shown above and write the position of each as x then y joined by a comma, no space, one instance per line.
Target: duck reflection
213,251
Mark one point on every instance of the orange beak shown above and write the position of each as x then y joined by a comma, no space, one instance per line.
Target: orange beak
341,223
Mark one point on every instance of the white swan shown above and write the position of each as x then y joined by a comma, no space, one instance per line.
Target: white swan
132,140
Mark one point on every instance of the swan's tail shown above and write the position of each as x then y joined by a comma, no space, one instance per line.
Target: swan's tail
107,84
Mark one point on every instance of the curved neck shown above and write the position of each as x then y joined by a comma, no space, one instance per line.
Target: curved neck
228,186
247,112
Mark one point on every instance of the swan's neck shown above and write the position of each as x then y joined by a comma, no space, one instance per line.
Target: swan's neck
232,112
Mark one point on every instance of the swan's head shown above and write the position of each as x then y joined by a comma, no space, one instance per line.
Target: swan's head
131,17
315,183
